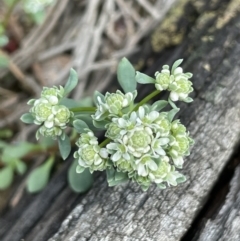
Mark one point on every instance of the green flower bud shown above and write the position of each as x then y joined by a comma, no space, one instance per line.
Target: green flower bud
162,124
160,174
53,132
145,164
138,141
123,165
92,157
117,101
180,88
113,131
177,128
163,79
144,182
62,115
53,95
87,138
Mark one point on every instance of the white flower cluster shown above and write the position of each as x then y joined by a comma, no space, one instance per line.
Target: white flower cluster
148,147
144,144
176,82
113,104
89,154
48,113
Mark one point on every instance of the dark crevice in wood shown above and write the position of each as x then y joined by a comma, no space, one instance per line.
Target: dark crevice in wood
215,200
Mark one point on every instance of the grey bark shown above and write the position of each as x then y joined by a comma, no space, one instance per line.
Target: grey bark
225,226
127,213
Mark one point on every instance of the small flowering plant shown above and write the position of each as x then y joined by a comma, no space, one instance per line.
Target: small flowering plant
143,142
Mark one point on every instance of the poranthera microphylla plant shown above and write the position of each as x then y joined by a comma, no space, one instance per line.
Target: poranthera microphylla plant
142,142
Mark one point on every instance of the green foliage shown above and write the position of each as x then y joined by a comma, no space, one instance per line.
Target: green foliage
39,177
64,147
79,183
6,177
159,105
80,126
115,177
27,118
71,83
126,76
144,79
176,64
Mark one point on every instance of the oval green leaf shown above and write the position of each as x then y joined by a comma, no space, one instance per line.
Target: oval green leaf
6,177
80,126
27,118
159,105
39,177
126,76
176,64
71,83
64,147
79,182
144,79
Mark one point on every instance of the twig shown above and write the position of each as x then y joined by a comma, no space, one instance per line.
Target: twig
9,12
149,8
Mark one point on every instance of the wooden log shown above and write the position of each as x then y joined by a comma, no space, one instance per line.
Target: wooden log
225,224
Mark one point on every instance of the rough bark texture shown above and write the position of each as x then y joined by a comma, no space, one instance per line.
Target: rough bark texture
207,35
225,226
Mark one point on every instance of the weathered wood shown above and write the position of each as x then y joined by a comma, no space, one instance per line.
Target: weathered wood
127,213
225,225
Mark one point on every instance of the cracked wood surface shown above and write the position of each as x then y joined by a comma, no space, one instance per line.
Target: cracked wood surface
225,225
127,213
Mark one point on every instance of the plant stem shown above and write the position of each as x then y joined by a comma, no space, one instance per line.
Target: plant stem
9,12
105,142
83,109
146,99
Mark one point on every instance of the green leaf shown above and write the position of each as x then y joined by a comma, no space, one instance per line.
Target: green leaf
181,179
115,178
3,40
159,105
70,103
144,79
64,147
80,169
172,113
87,118
100,124
39,177
176,64
172,104
161,186
27,118
110,174
4,61
80,126
38,17
188,100
3,144
126,76
20,166
79,182
12,152
6,177
96,95
71,83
